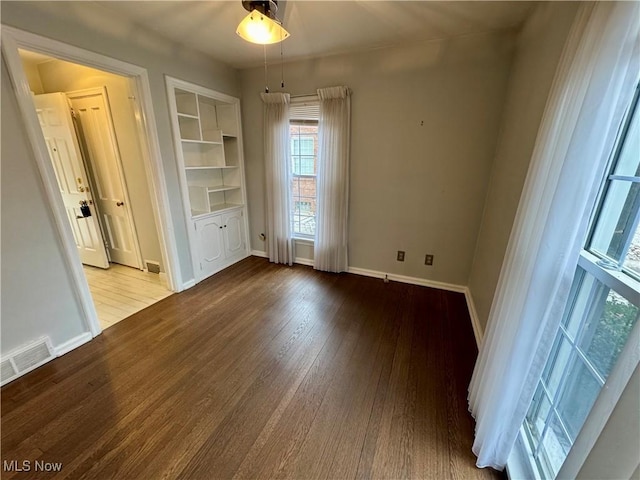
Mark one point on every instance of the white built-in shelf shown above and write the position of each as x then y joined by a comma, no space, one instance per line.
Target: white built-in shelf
210,167
224,206
204,142
208,140
222,188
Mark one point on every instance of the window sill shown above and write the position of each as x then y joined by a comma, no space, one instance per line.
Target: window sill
521,465
304,241
619,281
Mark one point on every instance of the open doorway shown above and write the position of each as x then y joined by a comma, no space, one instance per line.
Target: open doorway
89,125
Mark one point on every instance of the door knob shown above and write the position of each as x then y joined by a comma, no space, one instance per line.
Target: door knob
119,204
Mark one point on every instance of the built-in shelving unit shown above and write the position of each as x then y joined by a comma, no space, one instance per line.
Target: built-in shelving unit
208,142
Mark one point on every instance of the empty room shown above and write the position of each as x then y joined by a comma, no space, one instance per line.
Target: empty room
320,239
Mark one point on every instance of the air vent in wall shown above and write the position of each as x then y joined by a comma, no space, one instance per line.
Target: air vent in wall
25,359
152,267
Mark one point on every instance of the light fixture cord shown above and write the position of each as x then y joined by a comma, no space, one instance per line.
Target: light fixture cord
266,80
281,60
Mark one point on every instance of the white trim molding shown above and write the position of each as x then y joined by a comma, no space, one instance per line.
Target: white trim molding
475,320
72,343
304,261
259,253
423,282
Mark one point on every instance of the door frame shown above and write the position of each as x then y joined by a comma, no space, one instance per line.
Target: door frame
12,39
102,91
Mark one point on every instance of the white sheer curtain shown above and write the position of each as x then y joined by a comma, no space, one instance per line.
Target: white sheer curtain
597,69
277,156
330,248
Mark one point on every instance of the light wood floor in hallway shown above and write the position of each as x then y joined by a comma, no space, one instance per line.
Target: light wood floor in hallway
118,292
260,372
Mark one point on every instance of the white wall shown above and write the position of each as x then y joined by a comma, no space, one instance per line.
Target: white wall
37,298
539,47
60,76
425,121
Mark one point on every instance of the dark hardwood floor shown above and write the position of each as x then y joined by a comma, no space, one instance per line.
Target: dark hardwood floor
261,371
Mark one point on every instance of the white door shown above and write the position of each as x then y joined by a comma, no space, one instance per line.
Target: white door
54,114
210,245
104,158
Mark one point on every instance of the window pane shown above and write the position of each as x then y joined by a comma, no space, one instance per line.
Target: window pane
580,392
628,162
581,294
556,445
538,413
617,220
604,338
304,145
632,260
557,363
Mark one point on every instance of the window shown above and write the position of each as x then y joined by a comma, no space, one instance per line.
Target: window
602,309
304,158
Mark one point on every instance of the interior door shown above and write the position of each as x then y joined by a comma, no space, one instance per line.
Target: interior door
104,158
54,114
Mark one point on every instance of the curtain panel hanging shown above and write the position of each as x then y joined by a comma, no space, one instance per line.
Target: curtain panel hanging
597,71
330,248
277,156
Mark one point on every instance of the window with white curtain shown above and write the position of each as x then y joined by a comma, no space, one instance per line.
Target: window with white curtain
304,159
602,309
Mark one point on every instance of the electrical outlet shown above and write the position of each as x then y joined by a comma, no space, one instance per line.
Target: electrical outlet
400,256
428,259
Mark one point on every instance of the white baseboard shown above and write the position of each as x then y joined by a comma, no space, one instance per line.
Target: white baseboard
303,261
188,284
75,342
259,253
404,279
475,320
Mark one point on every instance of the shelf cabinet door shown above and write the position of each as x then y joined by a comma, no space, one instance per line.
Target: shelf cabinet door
211,251
233,234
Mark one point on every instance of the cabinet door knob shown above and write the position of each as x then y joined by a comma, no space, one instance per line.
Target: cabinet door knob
225,226
119,204
220,227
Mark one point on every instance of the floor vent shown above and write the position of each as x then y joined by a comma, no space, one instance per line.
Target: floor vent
25,359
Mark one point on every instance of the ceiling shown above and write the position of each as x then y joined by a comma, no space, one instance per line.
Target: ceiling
319,28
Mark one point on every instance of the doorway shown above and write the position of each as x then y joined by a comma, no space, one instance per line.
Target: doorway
89,125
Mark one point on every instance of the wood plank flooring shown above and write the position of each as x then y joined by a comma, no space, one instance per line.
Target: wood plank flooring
118,292
261,371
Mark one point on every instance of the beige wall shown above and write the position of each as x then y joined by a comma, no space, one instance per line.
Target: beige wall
425,121
59,76
539,48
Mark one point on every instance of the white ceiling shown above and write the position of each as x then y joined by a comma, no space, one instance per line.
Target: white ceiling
319,28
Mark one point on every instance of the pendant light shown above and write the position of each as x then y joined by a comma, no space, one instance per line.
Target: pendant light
262,26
